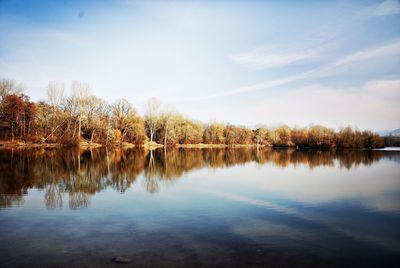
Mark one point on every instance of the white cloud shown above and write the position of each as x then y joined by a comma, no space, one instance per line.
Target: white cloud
356,59
391,49
265,85
367,107
389,7
275,56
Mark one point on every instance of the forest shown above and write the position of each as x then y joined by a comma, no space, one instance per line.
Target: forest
82,119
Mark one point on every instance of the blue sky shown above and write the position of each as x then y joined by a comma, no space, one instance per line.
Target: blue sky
333,63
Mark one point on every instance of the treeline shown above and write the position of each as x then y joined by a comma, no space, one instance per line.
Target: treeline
392,141
83,117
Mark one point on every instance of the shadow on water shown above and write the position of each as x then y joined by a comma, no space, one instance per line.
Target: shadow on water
82,173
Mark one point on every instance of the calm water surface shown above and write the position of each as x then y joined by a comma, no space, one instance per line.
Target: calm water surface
199,208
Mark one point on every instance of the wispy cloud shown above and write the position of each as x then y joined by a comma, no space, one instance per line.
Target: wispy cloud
275,56
388,50
391,49
370,105
389,7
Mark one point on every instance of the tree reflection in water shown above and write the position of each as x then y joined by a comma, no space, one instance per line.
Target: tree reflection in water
78,174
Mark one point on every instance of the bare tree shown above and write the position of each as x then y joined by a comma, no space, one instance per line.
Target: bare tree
94,110
55,93
152,114
168,121
127,121
121,110
9,87
79,96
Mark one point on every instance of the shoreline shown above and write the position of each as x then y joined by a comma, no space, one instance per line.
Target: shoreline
149,145
204,145
153,145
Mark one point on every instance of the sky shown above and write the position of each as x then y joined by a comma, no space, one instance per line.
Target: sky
333,63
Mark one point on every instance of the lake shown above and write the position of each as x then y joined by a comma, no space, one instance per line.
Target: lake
199,208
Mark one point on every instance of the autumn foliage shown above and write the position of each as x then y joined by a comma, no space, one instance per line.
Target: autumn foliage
82,117
18,114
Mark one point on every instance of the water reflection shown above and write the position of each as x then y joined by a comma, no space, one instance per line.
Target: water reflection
75,175
199,208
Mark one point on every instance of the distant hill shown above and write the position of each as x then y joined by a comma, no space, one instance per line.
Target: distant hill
394,132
